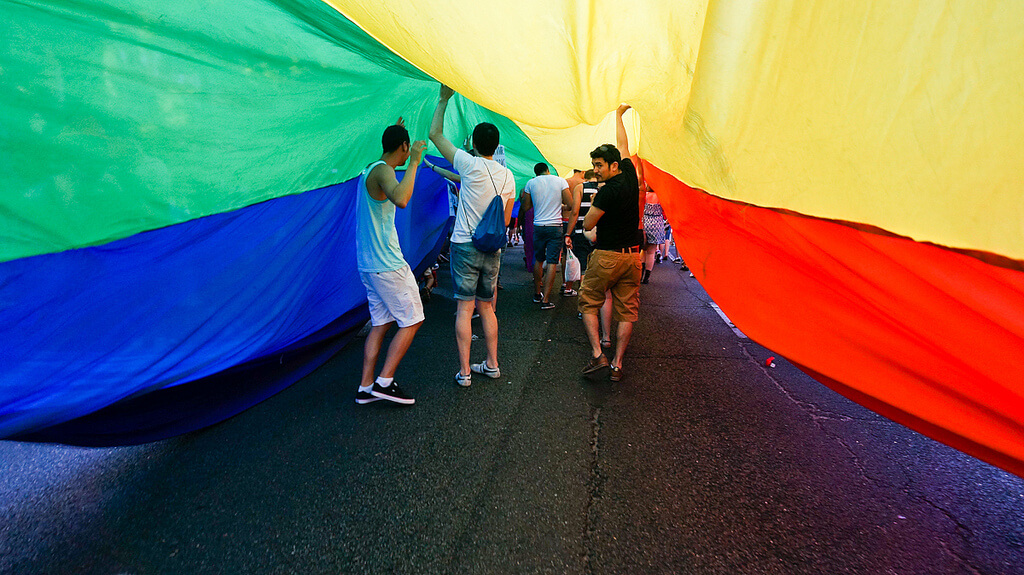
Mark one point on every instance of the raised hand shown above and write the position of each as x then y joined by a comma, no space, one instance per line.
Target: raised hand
416,151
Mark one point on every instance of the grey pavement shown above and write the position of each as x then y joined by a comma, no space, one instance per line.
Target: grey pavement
703,460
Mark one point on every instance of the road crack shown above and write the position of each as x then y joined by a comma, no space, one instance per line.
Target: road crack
595,485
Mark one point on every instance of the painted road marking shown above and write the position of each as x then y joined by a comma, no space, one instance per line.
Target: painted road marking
728,321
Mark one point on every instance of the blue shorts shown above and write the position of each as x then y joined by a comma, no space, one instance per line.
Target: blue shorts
547,243
474,273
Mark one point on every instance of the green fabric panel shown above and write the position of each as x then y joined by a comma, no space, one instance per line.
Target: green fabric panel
120,119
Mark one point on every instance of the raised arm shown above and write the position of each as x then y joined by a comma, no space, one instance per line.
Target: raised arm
399,192
621,139
444,146
442,172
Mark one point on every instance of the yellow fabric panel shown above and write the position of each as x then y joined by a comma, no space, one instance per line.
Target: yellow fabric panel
902,115
569,148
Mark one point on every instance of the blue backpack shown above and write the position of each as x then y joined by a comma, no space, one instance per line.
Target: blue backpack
489,235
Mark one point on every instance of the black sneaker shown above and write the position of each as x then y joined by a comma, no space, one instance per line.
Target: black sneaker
547,305
537,298
392,393
364,397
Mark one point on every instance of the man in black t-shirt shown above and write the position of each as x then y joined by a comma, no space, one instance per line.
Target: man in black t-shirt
615,263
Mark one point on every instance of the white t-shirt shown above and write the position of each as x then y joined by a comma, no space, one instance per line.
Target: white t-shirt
481,180
546,193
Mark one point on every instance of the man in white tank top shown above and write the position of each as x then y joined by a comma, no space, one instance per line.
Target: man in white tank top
391,289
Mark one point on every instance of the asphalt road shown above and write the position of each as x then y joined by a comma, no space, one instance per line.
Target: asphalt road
703,460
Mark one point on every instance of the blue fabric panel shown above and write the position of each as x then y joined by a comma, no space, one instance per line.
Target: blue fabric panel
86,329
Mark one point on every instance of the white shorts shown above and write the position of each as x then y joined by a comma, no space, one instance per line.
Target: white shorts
393,296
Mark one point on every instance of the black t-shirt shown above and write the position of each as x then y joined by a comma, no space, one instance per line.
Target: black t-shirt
619,227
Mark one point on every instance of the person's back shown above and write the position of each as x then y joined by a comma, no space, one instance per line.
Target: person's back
474,273
546,193
482,180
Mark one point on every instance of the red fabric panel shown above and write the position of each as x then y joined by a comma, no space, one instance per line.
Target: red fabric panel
924,335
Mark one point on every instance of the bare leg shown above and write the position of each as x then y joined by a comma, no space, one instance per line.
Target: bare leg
489,321
551,270
590,323
649,251
371,349
538,272
625,330
464,332
606,315
396,350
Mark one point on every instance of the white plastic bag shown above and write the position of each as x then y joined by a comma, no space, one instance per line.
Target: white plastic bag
572,266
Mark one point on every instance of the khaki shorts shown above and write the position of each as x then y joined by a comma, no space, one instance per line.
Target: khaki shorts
618,272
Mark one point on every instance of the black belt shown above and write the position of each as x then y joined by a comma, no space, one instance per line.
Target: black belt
629,250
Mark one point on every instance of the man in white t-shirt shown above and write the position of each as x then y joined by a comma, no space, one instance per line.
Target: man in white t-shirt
548,195
474,273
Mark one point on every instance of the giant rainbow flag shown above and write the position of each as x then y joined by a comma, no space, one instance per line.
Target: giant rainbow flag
175,217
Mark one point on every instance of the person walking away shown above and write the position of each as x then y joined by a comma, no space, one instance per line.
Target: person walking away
654,232
474,273
391,289
547,195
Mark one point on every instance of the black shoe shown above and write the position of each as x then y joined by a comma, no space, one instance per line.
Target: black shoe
547,305
364,397
646,277
392,393
537,298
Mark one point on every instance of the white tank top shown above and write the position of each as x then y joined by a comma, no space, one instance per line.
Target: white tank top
377,248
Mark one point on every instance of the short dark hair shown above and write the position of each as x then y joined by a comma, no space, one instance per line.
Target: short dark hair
607,152
540,168
393,138
589,175
485,138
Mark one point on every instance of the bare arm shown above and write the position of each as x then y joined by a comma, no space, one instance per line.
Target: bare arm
525,201
443,172
577,199
444,146
593,215
398,192
508,210
621,139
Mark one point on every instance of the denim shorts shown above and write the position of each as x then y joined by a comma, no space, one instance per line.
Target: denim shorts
474,273
547,243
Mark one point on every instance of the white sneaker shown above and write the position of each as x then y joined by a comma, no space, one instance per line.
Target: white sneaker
463,380
483,369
